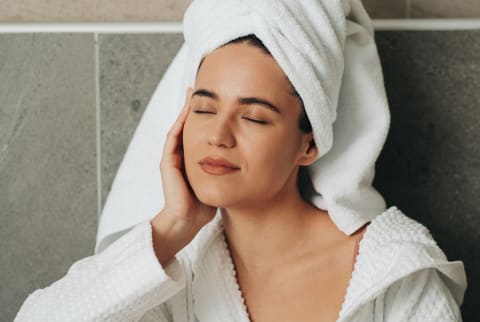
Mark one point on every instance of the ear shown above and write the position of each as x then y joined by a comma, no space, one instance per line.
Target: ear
309,150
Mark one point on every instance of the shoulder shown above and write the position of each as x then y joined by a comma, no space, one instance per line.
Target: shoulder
399,249
420,296
402,241
394,226
393,238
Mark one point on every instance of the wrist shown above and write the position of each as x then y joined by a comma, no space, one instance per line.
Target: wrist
169,236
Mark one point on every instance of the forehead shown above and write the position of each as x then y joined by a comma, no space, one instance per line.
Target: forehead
244,68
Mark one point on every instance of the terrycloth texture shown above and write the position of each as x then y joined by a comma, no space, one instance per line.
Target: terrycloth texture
400,275
327,50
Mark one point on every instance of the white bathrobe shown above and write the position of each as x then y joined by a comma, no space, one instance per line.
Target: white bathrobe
400,274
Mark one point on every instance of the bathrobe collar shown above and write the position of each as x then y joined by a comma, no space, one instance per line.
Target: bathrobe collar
393,246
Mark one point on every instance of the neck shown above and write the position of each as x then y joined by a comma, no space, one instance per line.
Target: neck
262,237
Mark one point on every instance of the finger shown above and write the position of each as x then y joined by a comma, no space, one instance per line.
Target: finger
182,115
172,139
177,128
173,135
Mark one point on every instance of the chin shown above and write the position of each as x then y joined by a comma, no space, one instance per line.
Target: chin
215,196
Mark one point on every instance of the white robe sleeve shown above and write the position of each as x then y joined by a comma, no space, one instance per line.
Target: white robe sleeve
420,297
125,282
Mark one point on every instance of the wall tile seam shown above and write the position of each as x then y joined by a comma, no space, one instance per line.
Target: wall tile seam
98,122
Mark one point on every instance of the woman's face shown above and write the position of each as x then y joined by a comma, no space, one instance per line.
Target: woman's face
266,145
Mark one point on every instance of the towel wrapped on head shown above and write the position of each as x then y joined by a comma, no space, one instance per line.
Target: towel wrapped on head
327,50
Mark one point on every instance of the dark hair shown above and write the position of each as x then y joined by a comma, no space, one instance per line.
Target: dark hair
304,183
251,39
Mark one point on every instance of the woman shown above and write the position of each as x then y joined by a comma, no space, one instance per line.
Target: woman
238,238
271,256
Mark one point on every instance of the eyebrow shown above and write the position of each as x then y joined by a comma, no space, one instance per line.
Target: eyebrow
240,100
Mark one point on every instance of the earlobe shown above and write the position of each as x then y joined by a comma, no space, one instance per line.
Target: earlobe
309,155
312,151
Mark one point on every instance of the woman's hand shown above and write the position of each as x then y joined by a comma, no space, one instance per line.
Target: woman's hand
183,214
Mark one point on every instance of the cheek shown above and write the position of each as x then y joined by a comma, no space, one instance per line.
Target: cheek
271,155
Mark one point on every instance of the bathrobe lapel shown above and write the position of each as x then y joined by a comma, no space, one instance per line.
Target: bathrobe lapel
215,288
392,247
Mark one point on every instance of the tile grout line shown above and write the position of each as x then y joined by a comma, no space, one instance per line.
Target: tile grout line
98,125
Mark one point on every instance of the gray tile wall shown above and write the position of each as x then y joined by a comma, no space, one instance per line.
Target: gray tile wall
386,9
444,9
430,163
172,10
47,160
429,167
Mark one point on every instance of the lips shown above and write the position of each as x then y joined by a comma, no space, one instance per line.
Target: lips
218,162
217,166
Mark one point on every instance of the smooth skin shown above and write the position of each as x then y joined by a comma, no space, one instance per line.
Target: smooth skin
292,262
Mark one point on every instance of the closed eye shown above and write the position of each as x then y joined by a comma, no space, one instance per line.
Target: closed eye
199,112
256,121
246,118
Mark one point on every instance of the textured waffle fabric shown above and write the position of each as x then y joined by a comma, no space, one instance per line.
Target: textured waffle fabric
400,274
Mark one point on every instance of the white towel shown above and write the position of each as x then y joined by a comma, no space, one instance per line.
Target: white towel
327,50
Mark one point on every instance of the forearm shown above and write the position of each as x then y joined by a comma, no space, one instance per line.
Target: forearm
120,284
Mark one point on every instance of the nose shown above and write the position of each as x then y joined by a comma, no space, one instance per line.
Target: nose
221,133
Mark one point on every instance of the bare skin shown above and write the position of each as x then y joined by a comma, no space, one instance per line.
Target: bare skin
292,262
308,286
